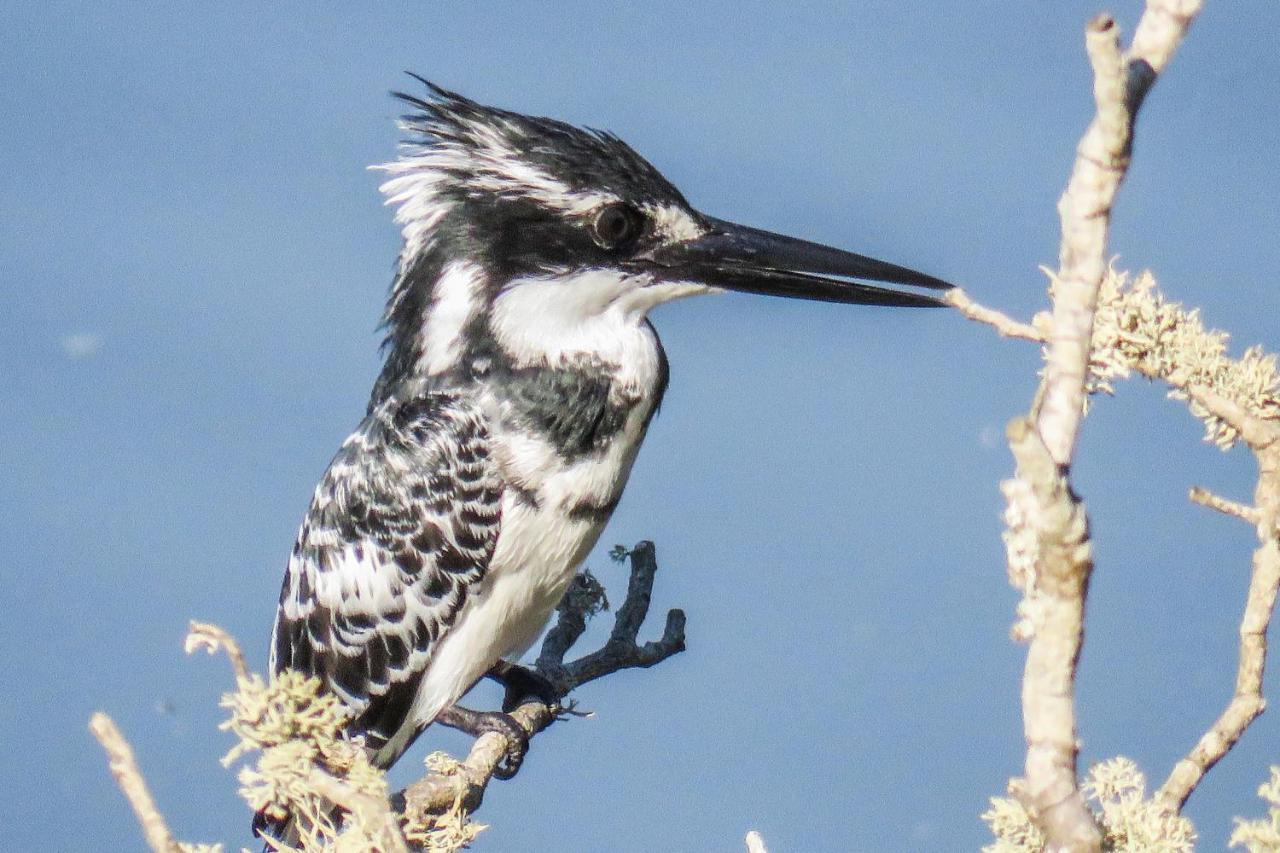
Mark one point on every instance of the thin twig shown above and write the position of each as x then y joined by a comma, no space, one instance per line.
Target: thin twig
1005,325
622,651
124,767
212,639
1226,506
1247,701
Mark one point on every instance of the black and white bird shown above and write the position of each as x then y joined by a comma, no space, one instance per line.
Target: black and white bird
521,374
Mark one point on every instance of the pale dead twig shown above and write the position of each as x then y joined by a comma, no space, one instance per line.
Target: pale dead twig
1056,594
1246,702
1053,604
1084,210
124,767
1002,323
1226,506
1260,434
212,639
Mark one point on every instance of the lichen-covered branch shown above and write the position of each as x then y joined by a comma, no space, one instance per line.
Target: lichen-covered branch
1116,793
1137,330
1048,534
1050,561
1239,400
1262,835
311,775
383,826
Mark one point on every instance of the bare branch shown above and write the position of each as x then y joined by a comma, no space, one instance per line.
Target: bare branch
1053,606
1058,581
212,639
1247,701
1120,86
124,767
1005,325
1206,498
438,792
1085,211
1159,34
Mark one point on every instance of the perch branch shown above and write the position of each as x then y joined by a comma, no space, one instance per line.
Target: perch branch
124,767
437,792
1121,83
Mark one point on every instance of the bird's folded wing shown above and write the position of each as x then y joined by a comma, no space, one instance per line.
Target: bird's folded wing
400,531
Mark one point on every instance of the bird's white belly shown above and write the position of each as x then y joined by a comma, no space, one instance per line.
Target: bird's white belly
537,555
539,549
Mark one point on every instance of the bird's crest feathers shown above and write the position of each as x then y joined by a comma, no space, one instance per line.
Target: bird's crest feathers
456,150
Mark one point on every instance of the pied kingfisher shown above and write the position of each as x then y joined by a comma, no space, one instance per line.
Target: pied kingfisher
521,374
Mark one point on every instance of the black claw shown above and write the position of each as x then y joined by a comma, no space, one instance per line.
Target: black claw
522,682
476,723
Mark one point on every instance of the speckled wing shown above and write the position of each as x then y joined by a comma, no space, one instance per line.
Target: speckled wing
400,531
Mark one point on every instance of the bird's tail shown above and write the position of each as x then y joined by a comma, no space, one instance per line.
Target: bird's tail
276,834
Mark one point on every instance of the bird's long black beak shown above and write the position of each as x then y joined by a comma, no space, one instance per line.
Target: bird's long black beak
736,257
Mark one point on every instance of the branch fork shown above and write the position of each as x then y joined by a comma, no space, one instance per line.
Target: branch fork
1053,565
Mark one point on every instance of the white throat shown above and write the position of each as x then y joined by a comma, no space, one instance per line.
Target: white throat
597,312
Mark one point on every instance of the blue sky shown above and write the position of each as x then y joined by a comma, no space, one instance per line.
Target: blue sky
193,259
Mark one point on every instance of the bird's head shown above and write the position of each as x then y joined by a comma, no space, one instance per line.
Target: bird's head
519,229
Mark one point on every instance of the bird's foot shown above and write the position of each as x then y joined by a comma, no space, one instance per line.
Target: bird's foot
477,723
521,682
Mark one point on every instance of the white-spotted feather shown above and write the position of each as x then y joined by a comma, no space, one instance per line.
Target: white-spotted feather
400,533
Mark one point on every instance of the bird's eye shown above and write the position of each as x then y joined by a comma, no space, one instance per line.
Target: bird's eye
616,225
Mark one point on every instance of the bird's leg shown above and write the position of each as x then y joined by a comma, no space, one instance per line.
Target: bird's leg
521,681
476,723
